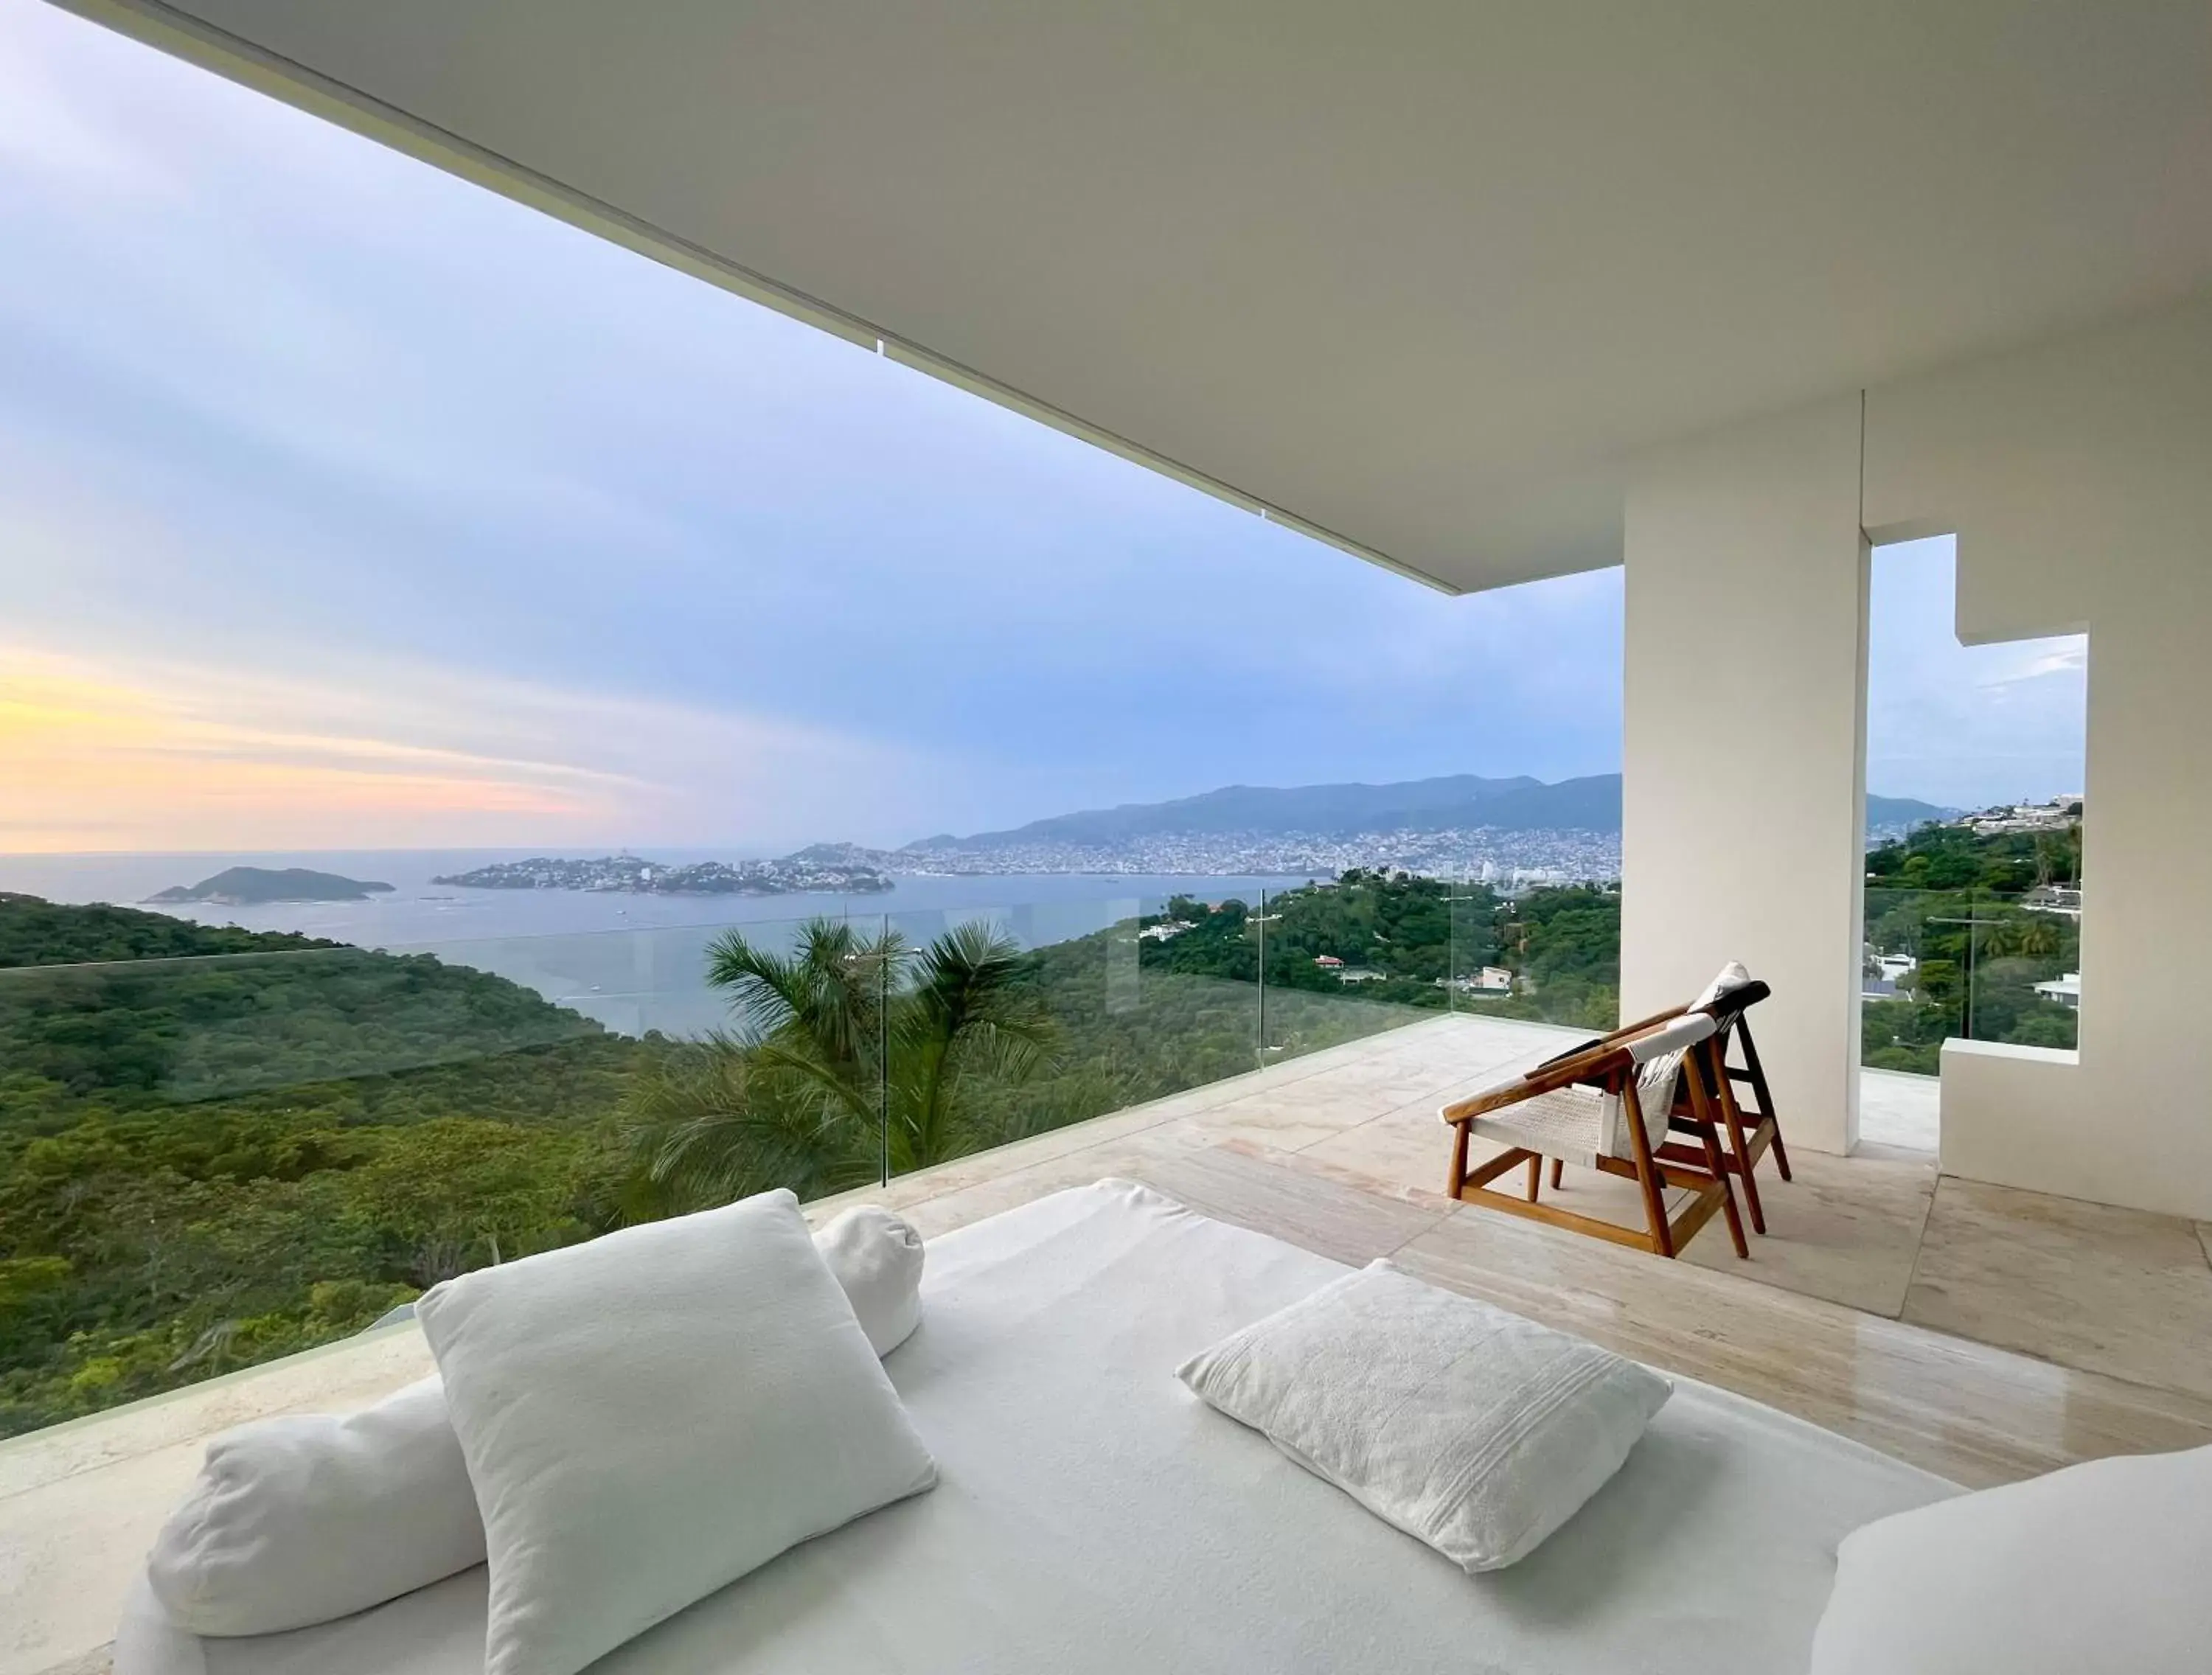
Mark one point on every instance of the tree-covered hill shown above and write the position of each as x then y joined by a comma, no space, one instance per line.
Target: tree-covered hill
37,933
218,1145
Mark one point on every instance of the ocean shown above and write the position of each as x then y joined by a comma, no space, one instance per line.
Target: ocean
634,962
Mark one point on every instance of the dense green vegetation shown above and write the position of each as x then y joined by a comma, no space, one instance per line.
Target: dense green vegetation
227,1145
1966,909
1399,938
218,1146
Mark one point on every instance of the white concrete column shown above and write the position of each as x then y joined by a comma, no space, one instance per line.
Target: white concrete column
1744,754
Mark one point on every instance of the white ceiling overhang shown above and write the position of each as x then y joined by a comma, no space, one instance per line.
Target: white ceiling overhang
1419,277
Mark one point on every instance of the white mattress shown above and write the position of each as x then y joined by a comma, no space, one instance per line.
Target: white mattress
1094,1515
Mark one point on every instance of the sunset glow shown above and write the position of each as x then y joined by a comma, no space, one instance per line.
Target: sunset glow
99,762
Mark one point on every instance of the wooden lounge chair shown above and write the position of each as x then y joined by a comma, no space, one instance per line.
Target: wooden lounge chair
1753,1131
1609,1107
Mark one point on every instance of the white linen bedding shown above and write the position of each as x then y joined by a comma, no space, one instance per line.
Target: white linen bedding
1093,1515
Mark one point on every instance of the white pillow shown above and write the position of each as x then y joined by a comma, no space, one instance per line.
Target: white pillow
877,1257
1473,1430
650,1415
2106,1566
299,1519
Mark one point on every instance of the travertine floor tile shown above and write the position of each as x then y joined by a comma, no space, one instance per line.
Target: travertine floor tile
1846,1229
1896,1109
1405,1147
1975,1414
2120,1291
1130,1156
1410,1147
100,1660
1309,1209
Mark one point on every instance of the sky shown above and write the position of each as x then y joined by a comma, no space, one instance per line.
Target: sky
344,504
1965,727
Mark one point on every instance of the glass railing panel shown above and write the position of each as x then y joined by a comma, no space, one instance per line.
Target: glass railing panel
1352,958
1548,955
1012,1021
1976,964
1479,980
2023,976
1187,1013
635,983
179,1031
208,1162
774,1073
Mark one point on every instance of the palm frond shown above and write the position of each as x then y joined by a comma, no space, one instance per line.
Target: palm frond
718,1123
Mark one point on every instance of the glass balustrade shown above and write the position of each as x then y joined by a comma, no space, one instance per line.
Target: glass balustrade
1546,955
1976,964
1010,1022
1351,959
208,1162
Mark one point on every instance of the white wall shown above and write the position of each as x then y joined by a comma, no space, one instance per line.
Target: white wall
1745,743
2077,475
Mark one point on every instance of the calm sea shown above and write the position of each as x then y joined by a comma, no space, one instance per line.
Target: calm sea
634,962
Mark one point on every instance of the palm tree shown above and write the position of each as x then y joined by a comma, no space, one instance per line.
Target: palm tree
851,1055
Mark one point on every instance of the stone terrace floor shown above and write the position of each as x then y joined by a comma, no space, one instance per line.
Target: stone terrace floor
1982,1333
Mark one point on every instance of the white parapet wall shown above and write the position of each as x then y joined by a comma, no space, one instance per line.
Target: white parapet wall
2002,1102
2077,476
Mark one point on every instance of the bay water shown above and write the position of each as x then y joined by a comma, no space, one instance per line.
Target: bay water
634,962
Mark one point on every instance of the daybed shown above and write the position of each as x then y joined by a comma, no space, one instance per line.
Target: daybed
1093,1515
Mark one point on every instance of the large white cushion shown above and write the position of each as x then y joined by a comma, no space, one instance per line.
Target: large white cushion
299,1519
306,1518
648,1417
2105,1566
1472,1429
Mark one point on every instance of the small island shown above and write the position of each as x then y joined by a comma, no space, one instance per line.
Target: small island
255,886
825,868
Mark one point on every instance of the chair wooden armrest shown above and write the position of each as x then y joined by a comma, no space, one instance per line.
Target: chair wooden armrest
1603,1065
1616,1037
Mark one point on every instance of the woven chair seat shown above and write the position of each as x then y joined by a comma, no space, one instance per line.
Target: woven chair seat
1568,1123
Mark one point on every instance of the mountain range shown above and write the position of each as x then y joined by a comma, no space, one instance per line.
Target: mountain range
1456,802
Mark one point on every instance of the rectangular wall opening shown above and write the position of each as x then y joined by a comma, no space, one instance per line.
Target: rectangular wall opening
1975,776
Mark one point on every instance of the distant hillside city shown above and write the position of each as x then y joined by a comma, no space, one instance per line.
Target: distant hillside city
831,869
1515,831
1518,832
